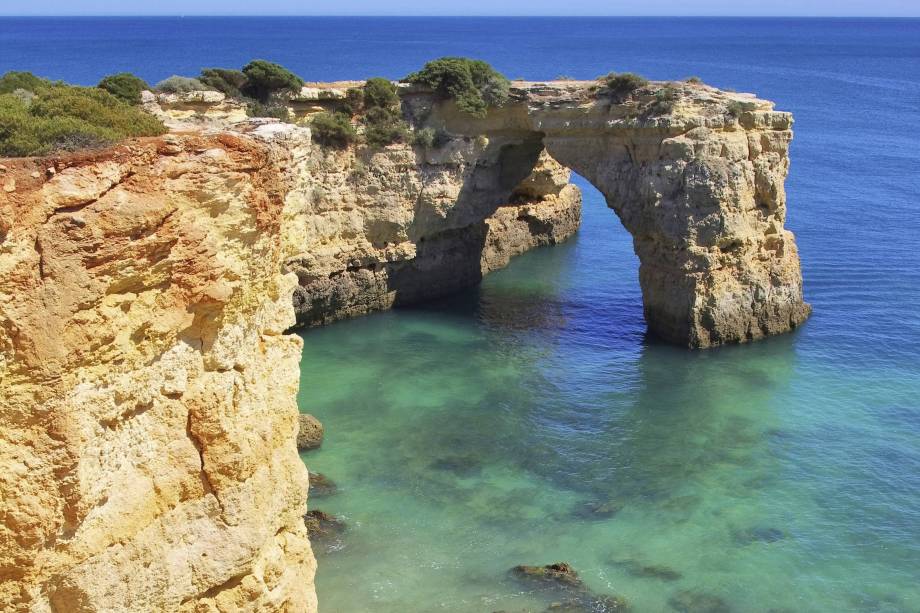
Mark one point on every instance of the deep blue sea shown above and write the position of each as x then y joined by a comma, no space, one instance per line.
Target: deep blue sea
487,430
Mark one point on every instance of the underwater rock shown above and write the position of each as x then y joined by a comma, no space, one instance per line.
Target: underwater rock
310,434
691,601
648,571
324,528
589,603
598,509
560,575
758,534
321,485
462,466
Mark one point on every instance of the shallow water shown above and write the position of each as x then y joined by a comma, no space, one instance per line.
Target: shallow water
478,433
475,433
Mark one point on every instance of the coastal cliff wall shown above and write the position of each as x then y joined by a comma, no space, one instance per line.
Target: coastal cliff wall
147,391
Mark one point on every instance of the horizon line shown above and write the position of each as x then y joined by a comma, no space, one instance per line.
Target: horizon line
439,16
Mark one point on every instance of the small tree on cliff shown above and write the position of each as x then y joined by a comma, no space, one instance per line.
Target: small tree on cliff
225,80
473,85
124,86
265,79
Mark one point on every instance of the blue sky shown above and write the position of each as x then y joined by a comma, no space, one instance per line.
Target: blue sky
892,8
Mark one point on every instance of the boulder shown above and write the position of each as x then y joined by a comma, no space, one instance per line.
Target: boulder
558,575
310,434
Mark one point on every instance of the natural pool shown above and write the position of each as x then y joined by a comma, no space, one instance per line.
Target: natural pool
529,421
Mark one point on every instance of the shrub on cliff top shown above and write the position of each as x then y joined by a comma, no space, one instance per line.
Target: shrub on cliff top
63,117
179,85
14,80
383,122
333,130
266,79
224,80
473,85
379,92
624,83
124,86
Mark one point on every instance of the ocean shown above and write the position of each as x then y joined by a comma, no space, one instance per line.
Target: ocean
532,419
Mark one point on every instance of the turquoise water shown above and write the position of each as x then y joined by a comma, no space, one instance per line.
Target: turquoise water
485,431
476,433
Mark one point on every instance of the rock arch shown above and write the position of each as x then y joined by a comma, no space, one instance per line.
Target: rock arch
701,191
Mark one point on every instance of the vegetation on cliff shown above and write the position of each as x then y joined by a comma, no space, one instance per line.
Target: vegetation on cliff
265,80
124,86
179,85
333,130
473,85
377,107
225,80
38,116
383,122
622,84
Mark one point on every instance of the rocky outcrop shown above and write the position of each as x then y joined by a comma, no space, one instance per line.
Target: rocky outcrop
697,179
147,391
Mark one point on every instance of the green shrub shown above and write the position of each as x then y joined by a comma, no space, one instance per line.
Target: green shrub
694,79
472,84
664,100
254,108
63,117
225,80
14,80
266,79
384,127
383,122
179,85
424,138
380,93
624,83
354,101
124,86
735,109
333,130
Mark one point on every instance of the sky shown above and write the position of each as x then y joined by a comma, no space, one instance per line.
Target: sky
824,8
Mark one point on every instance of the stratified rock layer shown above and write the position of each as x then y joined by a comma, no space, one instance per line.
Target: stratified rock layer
147,393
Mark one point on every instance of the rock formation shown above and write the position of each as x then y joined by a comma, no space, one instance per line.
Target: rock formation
147,388
147,393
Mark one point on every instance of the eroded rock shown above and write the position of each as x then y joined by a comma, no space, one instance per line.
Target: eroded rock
310,432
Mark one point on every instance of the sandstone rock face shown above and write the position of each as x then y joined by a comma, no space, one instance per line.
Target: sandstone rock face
700,186
147,391
369,230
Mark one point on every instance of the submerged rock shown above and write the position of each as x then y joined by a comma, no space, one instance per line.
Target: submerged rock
321,485
759,534
648,571
323,526
589,604
560,578
691,601
598,509
462,466
310,434
558,575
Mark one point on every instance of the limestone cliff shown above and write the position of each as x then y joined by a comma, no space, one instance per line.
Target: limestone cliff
147,393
